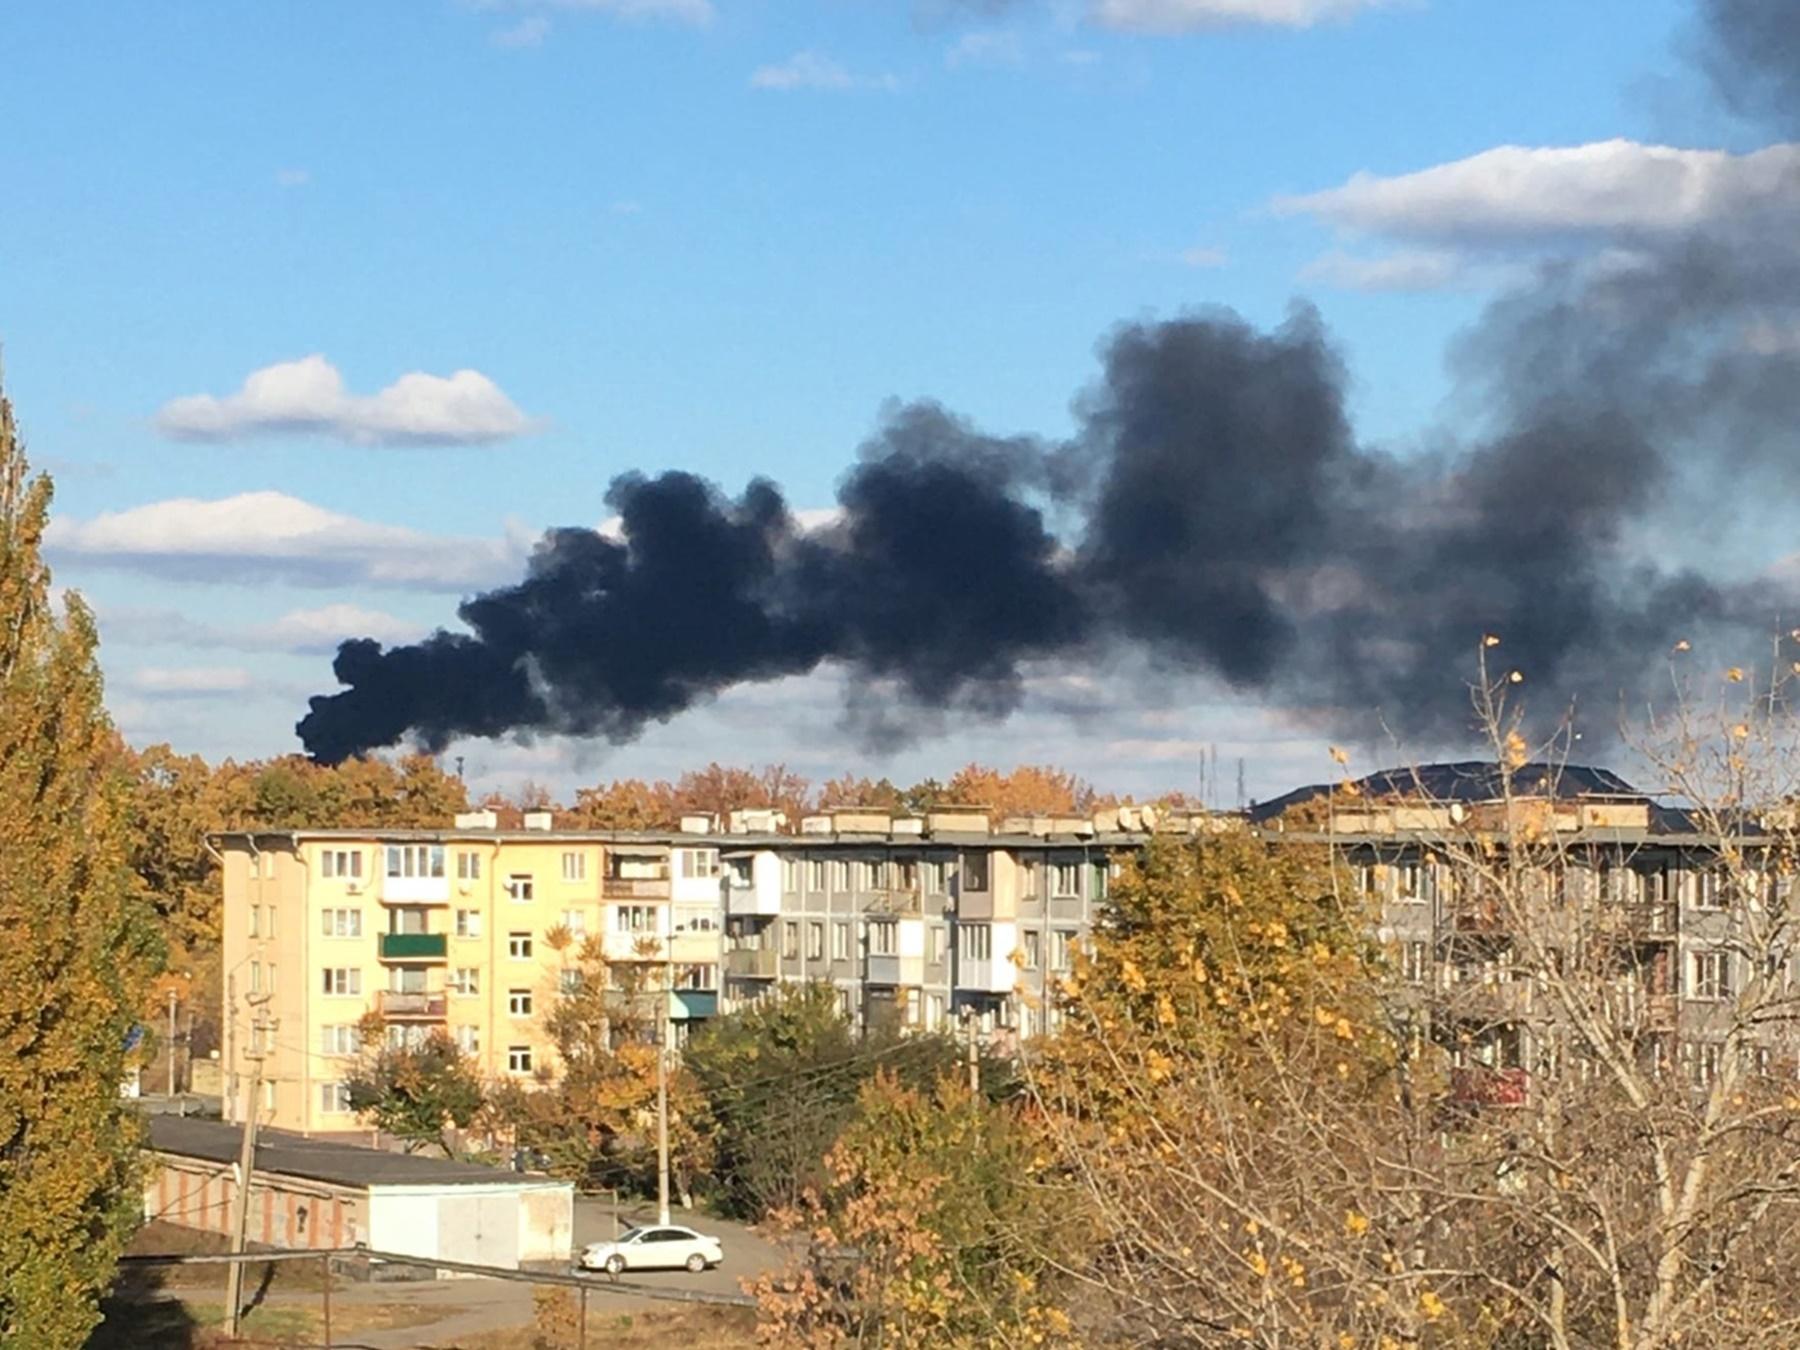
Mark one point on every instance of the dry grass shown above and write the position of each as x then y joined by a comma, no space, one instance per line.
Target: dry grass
686,1328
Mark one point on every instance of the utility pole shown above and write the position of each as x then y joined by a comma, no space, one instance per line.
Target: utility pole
662,1089
974,1053
240,1215
171,1048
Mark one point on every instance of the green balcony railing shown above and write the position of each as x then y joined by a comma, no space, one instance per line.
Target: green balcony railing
413,946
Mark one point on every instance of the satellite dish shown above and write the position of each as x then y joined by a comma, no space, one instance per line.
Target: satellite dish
1457,813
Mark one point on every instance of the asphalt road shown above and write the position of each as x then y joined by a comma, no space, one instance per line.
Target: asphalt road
747,1253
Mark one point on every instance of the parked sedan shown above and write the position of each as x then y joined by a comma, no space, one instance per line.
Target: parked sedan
666,1248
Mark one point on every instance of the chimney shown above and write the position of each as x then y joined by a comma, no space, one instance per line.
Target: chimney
539,820
477,820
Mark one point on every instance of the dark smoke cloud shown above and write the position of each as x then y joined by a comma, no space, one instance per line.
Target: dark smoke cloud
1216,513
1751,51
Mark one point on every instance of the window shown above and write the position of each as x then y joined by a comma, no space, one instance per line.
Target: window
840,875
574,866
934,1011
465,980
884,937
1101,874
862,876
468,867
815,941
334,1098
634,918
519,887
904,875
1709,888
575,920
974,871
415,860
846,1008
342,981
1712,975
699,864
339,1040
975,941
271,922
1033,947
697,977
468,1040
939,943
840,942
815,874
341,862
1065,879
518,1002
518,1059
695,921
401,1037
1702,1059
1028,878
468,923
934,878
1409,883
790,939
1413,963
344,923
1062,942
790,876
518,946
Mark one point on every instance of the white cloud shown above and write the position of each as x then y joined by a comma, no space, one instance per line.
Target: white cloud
1179,16
263,536
529,31
985,47
189,681
306,632
1407,270
1525,194
815,71
308,396
1203,257
292,178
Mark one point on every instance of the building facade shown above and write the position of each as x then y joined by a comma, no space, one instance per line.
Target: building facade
927,922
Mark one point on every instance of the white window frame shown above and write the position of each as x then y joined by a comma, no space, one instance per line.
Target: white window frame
574,865
519,1003
518,1059
519,946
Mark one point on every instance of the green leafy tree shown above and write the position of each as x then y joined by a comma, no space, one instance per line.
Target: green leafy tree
417,1093
79,947
781,1080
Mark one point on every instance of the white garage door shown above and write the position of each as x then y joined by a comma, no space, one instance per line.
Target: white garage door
480,1229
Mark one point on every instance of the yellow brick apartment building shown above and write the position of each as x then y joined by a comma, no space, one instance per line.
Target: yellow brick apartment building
442,930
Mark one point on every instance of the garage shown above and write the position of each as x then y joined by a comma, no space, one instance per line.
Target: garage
317,1193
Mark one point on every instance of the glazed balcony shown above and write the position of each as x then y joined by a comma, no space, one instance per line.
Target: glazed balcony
414,947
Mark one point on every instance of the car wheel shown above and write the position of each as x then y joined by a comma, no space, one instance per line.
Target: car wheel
615,1264
696,1263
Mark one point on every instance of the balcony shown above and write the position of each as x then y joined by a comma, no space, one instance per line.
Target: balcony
696,946
693,1005
415,890
747,898
753,963
680,1005
1641,923
413,947
989,977
410,1007
894,901
634,888
1478,1087
889,969
646,945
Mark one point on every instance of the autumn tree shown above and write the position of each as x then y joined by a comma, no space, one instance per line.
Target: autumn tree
940,1222
1030,789
79,947
594,1117
625,804
417,1092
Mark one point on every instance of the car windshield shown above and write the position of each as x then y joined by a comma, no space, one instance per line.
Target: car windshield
631,1235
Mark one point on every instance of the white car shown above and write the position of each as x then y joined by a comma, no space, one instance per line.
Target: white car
647,1248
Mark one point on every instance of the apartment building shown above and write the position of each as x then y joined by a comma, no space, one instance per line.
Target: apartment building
471,930
928,922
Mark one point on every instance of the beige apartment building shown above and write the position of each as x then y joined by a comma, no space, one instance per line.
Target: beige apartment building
459,930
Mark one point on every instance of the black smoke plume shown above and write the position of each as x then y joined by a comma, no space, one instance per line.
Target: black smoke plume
1216,514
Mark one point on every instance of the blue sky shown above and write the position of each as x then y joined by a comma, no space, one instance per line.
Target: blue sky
690,234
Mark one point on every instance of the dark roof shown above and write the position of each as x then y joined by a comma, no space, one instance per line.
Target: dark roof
1464,781
316,1159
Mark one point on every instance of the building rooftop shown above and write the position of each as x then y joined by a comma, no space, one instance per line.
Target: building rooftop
324,1160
